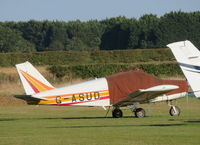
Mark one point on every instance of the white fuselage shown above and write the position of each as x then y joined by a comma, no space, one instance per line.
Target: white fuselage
89,93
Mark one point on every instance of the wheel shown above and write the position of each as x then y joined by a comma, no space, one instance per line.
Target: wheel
139,113
117,113
174,111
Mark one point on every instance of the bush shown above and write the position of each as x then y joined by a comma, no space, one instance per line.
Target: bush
102,70
86,57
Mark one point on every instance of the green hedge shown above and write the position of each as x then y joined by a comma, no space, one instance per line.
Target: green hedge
86,57
102,70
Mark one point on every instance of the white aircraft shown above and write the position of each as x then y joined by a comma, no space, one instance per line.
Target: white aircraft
123,89
188,58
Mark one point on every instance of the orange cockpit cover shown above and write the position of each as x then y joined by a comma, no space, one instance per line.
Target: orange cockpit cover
122,84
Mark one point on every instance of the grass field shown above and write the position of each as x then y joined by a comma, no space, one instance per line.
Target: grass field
21,124
54,125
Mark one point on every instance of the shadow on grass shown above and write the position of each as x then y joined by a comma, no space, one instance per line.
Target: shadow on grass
8,119
96,126
59,118
192,121
124,125
96,117
186,121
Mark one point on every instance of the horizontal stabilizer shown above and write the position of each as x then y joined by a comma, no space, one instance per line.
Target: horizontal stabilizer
28,97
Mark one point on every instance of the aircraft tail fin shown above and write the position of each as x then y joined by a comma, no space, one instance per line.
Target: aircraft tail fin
33,82
188,58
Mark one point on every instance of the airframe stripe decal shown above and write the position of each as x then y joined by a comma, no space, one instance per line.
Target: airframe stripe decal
69,100
39,82
32,86
35,83
65,95
73,103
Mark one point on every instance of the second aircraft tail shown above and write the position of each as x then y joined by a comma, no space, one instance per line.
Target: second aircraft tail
188,58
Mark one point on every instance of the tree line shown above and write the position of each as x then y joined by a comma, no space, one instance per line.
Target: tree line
149,31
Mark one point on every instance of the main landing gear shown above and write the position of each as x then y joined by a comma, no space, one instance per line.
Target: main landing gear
117,113
174,110
138,112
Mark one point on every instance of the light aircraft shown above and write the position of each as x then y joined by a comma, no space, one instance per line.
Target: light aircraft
188,58
129,88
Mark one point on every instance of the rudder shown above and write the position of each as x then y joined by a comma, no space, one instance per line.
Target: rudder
32,81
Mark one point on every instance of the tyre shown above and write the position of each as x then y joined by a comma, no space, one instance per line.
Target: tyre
117,113
174,111
139,113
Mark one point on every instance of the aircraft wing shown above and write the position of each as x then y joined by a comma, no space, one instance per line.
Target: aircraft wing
145,95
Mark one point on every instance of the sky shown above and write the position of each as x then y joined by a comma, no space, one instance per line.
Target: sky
85,10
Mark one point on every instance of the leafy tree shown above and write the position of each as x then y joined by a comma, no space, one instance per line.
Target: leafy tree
178,26
149,31
12,41
148,27
89,34
75,44
57,35
134,28
116,35
35,32
56,45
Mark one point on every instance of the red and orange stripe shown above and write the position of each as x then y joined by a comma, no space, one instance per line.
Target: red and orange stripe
35,84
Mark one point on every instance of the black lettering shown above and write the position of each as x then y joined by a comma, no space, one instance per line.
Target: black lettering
58,100
73,98
81,97
89,97
96,95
